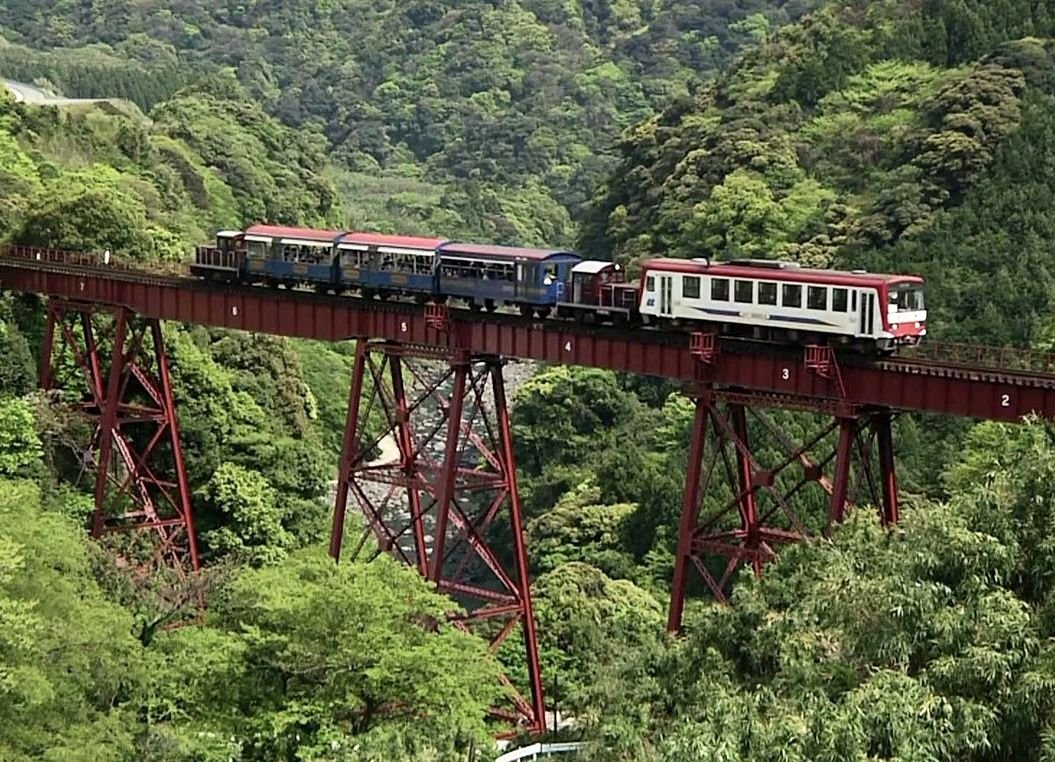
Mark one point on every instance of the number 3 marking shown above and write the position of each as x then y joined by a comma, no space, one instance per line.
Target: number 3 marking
1005,400
785,374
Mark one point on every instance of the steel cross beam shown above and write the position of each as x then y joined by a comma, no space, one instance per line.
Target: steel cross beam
741,520
141,485
428,460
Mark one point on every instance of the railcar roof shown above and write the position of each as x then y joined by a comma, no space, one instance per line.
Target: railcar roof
304,234
593,266
797,274
403,241
501,252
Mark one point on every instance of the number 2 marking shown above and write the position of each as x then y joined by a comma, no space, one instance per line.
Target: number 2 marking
785,374
1005,400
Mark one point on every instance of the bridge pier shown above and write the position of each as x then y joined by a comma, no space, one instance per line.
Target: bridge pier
736,506
438,498
135,443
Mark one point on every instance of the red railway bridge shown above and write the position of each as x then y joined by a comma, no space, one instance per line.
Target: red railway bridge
459,476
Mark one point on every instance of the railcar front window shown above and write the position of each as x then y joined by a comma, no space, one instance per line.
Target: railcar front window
650,283
907,299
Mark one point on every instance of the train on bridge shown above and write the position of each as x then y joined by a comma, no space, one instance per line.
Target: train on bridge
767,300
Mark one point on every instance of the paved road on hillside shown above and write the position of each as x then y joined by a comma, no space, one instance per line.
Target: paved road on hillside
34,95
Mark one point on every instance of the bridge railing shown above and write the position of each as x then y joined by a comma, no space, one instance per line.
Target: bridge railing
33,254
981,357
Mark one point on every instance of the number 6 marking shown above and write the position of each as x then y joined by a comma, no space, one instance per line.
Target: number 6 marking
785,374
1005,400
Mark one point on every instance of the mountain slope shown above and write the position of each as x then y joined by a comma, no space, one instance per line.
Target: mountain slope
851,138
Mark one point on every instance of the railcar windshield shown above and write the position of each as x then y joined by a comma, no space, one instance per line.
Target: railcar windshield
906,298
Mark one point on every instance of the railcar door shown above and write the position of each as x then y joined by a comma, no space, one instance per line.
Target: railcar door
666,288
868,303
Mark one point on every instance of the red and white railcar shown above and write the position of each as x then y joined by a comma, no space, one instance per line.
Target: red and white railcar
782,301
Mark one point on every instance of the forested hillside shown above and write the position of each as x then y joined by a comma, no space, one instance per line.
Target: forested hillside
459,117
895,134
868,135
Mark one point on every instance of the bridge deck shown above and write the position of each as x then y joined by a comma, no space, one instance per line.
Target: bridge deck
976,382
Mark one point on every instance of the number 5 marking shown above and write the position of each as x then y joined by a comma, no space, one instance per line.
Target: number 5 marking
403,326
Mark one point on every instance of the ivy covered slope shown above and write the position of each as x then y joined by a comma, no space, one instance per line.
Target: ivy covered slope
459,117
912,136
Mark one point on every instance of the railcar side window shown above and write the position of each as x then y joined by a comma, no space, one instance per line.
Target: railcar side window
744,291
767,293
650,283
720,289
839,300
853,301
791,296
817,298
690,287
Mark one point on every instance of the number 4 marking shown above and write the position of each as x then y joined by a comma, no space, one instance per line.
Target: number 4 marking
567,347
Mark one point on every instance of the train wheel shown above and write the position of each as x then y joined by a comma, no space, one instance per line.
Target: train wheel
474,305
489,305
525,309
543,312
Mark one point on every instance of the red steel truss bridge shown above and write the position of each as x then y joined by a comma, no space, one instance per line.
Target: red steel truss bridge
434,377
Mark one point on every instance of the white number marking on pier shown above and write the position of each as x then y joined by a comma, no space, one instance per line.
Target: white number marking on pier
1005,400
785,374
403,326
567,347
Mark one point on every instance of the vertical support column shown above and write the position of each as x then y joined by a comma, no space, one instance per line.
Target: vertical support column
449,473
460,473
108,422
745,477
690,509
843,457
136,421
47,351
408,461
523,572
349,449
888,476
169,406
